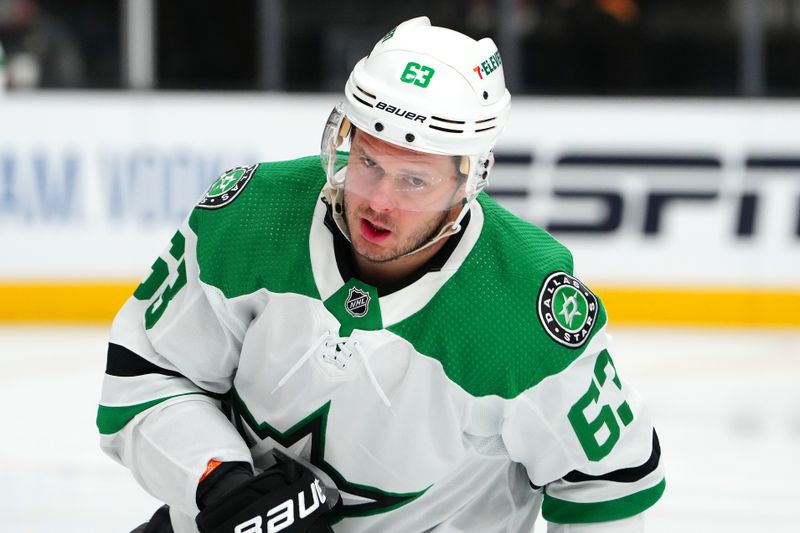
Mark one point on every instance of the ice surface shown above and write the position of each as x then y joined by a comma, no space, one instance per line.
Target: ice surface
726,406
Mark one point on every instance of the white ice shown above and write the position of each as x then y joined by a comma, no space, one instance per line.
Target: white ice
726,405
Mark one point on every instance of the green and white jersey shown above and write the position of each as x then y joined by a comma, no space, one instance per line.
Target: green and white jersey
467,400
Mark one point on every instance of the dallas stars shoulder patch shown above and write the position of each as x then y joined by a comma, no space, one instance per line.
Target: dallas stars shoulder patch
227,187
567,309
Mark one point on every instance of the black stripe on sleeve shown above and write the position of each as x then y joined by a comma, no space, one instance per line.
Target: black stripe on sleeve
625,475
122,362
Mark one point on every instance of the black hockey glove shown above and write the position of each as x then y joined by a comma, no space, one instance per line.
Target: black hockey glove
287,497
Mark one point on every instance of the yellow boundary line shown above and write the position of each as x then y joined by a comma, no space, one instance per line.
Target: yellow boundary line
76,303
718,307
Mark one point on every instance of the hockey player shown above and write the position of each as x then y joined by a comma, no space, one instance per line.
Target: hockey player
370,322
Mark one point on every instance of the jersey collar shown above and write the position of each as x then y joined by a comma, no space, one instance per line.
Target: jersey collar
332,264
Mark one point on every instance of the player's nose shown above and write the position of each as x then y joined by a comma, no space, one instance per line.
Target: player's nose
382,196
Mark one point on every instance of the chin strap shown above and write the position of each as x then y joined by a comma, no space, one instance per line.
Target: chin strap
335,197
450,228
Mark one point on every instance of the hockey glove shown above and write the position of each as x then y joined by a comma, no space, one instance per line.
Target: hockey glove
287,497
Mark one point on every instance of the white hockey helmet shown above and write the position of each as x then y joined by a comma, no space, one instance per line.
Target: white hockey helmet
427,89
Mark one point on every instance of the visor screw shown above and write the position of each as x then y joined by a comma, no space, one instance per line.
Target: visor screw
485,173
410,137
485,95
485,163
378,126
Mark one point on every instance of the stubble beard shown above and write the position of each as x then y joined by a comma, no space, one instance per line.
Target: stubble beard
414,241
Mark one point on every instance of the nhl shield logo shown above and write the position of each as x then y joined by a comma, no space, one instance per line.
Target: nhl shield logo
357,302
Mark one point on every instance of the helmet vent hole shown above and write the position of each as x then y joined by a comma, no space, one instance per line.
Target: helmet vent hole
485,95
449,120
361,101
448,130
378,126
410,137
365,92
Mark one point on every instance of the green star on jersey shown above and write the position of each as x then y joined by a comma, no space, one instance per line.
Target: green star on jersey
373,500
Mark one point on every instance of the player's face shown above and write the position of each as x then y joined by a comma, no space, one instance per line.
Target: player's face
396,199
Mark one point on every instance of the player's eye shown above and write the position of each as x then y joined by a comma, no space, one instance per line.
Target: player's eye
367,162
416,182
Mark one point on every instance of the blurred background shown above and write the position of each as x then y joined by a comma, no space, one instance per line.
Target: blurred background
659,140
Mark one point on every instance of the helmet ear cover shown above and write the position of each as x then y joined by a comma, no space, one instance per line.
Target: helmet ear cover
463,166
345,129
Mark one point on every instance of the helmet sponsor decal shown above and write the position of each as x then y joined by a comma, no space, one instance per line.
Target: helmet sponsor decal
357,302
489,65
567,309
419,75
227,187
389,108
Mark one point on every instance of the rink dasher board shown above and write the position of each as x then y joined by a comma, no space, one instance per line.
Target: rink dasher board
677,212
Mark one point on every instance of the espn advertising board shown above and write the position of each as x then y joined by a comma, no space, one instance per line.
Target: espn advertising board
682,212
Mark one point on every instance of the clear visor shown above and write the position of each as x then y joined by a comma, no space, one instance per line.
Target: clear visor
388,177
336,130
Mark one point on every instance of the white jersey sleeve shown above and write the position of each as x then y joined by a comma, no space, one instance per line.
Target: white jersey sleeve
173,352
588,445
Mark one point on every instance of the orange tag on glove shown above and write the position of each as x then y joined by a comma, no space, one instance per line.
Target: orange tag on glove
212,464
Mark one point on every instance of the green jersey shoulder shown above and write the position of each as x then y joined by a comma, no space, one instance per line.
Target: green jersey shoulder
512,315
252,227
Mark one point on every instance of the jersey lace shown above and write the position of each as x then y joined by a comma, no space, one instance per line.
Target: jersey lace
339,351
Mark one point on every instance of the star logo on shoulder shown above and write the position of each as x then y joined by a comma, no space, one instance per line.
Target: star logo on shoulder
567,309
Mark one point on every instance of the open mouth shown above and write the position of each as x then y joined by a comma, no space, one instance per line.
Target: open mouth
373,232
